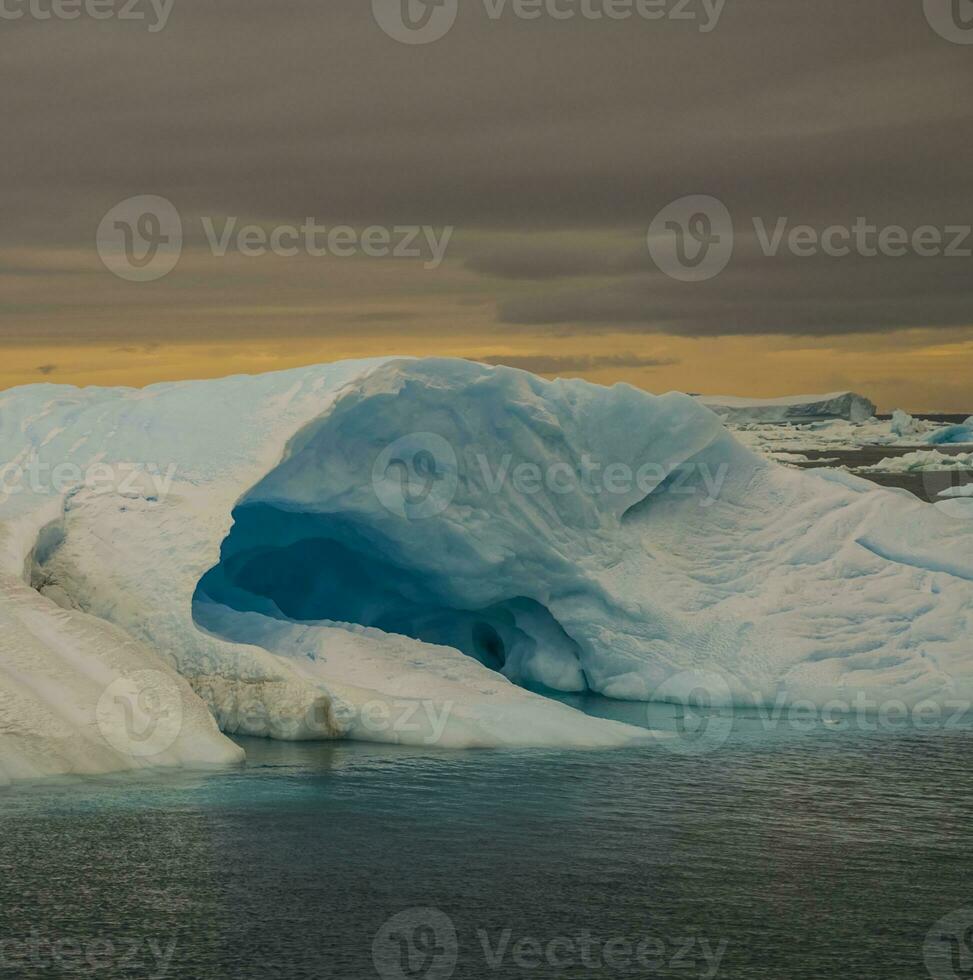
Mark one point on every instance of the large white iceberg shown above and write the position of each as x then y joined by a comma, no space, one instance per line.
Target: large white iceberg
399,550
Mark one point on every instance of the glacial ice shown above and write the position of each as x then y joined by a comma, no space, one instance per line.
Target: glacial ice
959,434
921,461
845,405
776,438
960,508
903,425
416,550
957,502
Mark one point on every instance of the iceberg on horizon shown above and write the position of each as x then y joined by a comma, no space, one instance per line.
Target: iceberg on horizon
795,409
410,550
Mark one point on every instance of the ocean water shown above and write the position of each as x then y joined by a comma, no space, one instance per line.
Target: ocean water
924,485
745,846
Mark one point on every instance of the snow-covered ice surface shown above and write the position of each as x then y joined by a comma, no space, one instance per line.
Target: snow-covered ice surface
960,508
65,682
388,550
845,405
964,491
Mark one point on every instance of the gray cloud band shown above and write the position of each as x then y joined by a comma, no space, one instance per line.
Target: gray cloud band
822,112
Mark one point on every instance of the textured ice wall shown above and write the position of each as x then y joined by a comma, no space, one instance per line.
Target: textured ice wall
129,552
564,534
683,555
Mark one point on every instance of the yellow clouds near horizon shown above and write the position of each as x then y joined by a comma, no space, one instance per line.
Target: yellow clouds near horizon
933,377
65,319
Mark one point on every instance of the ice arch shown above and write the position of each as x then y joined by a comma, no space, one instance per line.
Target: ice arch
312,568
480,510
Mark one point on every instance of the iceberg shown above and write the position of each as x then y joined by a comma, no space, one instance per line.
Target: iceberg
903,424
420,551
845,405
960,434
921,461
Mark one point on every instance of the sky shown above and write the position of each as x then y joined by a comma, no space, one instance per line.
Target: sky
667,198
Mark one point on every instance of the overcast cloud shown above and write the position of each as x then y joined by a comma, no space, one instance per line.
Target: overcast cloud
509,129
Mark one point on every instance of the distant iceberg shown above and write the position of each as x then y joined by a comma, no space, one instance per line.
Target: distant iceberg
921,461
959,434
903,425
409,550
794,409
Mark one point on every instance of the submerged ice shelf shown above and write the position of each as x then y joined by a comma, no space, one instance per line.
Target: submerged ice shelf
325,552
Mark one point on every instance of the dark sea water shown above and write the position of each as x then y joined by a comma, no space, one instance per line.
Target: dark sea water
925,485
745,848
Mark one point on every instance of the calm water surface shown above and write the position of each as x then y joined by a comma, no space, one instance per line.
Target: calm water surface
785,851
